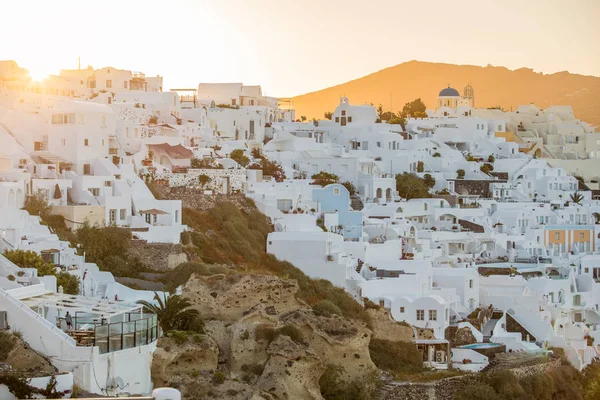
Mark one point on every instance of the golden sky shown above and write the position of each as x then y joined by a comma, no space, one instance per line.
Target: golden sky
293,47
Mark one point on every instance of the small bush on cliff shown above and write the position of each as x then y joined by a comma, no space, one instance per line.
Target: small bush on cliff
326,308
333,387
478,391
397,357
292,332
7,343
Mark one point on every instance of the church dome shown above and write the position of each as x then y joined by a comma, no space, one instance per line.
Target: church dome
449,92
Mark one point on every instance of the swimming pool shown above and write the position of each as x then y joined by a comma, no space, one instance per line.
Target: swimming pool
518,266
480,345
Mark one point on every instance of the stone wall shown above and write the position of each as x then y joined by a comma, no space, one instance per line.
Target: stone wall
218,177
446,389
159,256
471,226
479,187
195,198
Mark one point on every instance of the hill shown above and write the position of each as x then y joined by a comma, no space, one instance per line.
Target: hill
494,86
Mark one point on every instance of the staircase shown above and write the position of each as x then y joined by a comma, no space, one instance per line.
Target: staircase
488,330
101,290
356,203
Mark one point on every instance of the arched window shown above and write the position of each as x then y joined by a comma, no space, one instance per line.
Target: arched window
379,193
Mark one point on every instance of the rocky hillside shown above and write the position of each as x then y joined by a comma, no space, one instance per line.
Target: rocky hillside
261,342
494,86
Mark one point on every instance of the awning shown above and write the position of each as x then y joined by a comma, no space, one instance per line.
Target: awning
153,211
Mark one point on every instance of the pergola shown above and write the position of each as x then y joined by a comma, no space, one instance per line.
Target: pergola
64,302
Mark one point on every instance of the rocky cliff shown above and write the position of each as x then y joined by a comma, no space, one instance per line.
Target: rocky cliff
261,342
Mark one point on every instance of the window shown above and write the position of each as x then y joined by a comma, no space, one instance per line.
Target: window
86,142
95,191
63,142
581,235
107,183
112,216
122,214
92,84
109,100
586,270
336,191
176,215
233,102
470,283
102,142
433,315
343,113
420,315
337,119
126,132
556,235
402,310
378,144
381,303
108,83
349,119
125,85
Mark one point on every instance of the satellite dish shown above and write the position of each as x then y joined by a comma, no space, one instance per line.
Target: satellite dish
119,382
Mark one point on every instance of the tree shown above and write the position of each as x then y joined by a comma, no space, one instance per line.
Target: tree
460,173
576,197
380,112
388,115
30,259
350,186
420,166
303,118
203,180
410,186
239,157
436,154
597,217
38,205
491,158
398,121
328,115
324,178
69,283
269,168
429,180
173,312
415,109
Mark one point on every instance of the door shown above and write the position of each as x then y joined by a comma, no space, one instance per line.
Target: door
343,121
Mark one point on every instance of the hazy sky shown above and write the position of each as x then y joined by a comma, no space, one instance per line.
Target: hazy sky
293,47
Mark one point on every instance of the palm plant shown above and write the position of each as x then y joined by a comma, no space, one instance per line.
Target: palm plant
576,197
174,313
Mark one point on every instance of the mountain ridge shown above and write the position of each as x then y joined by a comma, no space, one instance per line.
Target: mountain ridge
493,85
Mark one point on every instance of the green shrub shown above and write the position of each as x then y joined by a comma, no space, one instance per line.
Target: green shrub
333,387
398,357
218,378
292,332
179,337
477,391
7,343
326,308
